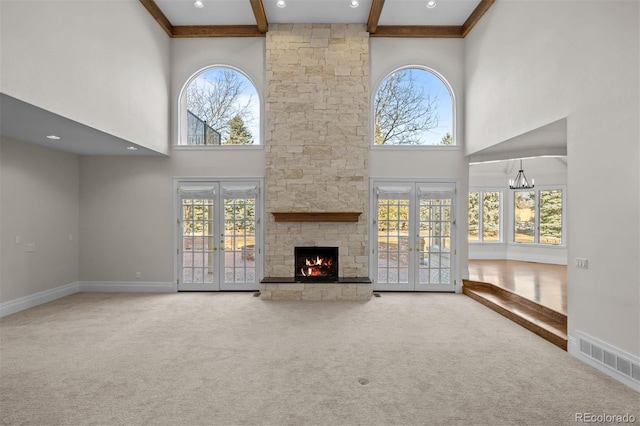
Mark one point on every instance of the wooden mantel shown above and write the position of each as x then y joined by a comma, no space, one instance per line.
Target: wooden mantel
316,216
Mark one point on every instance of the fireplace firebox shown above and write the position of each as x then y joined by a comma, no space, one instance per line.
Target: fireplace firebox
316,264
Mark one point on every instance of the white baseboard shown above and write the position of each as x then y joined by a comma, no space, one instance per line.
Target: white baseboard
523,257
26,302
538,258
614,362
129,287
487,256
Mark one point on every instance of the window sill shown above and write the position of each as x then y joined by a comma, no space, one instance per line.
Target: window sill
215,147
486,242
538,245
417,147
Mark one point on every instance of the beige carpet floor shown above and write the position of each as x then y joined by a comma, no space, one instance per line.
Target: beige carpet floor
233,359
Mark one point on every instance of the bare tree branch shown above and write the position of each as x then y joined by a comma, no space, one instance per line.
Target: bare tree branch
403,111
217,100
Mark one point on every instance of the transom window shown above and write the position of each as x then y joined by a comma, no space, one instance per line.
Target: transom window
414,106
220,106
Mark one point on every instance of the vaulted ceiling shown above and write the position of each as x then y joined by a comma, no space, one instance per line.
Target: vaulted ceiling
383,18
251,18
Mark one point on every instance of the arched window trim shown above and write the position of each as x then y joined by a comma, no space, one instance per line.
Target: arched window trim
182,110
454,146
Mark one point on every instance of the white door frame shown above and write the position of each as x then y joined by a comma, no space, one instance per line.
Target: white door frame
218,283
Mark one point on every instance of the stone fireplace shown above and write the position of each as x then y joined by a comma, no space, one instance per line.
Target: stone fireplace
317,146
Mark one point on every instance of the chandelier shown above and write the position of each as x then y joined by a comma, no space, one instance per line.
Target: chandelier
521,182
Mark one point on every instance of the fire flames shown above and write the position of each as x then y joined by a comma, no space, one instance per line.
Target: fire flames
316,267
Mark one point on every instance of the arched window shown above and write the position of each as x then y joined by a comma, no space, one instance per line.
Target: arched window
414,106
219,106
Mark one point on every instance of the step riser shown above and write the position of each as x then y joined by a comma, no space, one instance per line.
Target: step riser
545,334
509,295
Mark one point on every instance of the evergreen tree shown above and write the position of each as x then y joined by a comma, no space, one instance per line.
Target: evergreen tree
238,134
447,139
551,216
473,216
491,216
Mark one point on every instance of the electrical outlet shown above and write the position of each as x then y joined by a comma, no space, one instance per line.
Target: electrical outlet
138,275
31,247
582,263
18,239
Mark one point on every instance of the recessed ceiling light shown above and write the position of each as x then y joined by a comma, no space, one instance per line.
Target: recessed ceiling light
281,3
54,137
199,4
132,148
354,3
431,4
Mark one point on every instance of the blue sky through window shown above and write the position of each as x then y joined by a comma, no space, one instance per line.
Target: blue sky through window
431,85
248,96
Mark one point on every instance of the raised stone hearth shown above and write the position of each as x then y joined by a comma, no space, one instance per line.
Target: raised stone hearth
288,289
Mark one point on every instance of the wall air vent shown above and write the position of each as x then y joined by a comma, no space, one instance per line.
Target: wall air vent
619,363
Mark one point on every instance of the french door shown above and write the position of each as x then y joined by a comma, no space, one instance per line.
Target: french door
218,238
413,236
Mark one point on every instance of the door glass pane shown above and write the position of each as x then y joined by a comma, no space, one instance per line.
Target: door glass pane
525,216
551,217
393,241
491,216
197,241
239,240
434,248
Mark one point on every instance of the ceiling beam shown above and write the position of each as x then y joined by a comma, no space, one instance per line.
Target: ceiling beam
475,16
157,14
418,31
191,31
374,15
261,16
259,30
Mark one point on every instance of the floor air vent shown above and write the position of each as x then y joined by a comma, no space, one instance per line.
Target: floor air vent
605,355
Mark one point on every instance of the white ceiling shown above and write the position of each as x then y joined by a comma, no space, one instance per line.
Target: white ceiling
394,12
547,140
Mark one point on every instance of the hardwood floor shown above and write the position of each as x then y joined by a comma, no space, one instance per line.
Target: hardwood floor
542,283
534,295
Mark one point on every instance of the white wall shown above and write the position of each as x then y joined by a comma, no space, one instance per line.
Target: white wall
40,205
101,63
446,57
127,206
144,186
189,56
530,63
127,210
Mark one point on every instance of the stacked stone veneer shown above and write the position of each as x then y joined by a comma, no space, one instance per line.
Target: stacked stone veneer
316,141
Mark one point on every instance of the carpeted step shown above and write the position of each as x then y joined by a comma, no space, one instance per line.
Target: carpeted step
543,321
